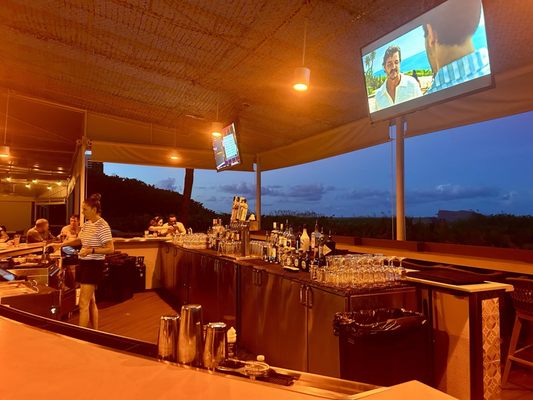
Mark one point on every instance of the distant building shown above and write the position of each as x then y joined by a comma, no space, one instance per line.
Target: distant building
452,216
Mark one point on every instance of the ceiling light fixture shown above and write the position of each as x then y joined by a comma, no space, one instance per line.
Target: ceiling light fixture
216,127
35,181
59,183
302,74
28,185
174,157
49,187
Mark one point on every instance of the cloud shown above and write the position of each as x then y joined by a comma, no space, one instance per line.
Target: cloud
449,192
241,189
312,192
167,184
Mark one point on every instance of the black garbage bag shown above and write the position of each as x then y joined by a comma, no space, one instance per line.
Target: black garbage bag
384,346
375,322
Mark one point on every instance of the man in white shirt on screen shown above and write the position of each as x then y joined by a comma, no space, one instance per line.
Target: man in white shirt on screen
398,87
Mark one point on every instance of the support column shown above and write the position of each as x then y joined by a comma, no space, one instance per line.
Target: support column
400,190
82,179
258,193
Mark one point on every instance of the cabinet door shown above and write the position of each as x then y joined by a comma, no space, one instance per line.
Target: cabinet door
284,330
323,345
180,288
227,292
249,326
203,286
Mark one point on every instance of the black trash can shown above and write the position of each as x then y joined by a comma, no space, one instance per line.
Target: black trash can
140,276
384,346
119,279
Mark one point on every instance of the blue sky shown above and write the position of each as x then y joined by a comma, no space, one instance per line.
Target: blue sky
486,167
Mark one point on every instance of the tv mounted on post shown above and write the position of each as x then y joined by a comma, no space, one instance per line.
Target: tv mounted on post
440,55
226,148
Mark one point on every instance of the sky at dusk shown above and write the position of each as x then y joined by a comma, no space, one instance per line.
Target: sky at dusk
486,167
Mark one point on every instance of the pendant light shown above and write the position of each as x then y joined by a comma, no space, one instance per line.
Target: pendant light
174,154
302,74
4,150
216,127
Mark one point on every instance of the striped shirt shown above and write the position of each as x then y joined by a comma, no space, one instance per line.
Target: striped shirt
471,66
95,234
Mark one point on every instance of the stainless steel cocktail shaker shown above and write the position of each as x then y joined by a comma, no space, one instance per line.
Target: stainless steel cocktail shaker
167,341
190,335
215,345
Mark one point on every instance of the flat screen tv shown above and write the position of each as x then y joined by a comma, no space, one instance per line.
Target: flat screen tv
437,56
226,149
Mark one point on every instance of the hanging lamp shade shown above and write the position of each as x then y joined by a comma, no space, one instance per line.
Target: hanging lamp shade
4,151
216,129
301,79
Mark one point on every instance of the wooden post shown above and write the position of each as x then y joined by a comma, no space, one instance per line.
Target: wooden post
400,190
258,193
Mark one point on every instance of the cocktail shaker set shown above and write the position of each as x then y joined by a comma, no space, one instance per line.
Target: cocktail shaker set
181,339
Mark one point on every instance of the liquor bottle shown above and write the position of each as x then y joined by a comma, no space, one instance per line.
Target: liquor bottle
297,261
306,259
314,237
234,209
304,240
243,210
329,245
298,237
266,248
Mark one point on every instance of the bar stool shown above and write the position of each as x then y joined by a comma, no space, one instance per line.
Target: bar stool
523,303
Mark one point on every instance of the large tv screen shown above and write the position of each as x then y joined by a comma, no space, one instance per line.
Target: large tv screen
437,56
226,149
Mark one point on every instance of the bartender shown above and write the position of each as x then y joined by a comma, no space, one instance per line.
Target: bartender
173,226
40,232
72,230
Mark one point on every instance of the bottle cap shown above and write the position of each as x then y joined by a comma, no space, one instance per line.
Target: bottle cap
261,358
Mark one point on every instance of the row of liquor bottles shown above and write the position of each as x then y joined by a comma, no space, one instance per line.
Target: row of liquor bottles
297,251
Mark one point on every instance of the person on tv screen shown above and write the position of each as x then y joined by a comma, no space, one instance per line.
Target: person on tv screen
449,46
398,87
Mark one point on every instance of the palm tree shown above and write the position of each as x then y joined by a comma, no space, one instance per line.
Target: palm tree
187,192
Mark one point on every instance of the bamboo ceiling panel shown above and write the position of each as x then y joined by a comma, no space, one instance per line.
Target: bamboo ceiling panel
166,64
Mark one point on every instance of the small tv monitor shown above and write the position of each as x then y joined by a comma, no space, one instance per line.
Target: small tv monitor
440,55
226,148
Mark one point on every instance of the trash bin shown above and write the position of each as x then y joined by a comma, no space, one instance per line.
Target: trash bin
119,279
384,346
140,276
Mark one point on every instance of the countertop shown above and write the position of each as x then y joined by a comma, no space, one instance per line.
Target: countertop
51,366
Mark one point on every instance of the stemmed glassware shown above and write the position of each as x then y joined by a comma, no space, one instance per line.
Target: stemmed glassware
359,270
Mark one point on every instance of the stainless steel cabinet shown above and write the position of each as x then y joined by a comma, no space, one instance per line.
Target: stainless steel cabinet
322,344
203,286
280,318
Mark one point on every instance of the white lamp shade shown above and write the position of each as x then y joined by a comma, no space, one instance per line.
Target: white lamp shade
4,151
216,129
301,79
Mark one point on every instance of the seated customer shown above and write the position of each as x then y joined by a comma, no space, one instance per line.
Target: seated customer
156,225
40,232
173,226
72,230
4,237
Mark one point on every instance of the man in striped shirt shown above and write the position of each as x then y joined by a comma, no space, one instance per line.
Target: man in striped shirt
449,46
